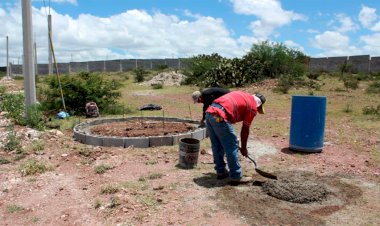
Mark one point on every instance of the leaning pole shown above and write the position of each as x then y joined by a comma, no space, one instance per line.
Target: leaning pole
28,59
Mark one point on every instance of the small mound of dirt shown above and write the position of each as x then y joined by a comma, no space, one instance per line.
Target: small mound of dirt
295,190
141,128
171,78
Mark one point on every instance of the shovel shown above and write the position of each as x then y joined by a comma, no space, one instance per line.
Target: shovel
262,173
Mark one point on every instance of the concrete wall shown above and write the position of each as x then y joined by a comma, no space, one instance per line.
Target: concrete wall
375,65
334,63
318,64
361,63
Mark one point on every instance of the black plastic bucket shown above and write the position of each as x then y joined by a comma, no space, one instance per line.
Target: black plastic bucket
188,152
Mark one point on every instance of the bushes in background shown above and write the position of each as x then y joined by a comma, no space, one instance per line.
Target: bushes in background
78,90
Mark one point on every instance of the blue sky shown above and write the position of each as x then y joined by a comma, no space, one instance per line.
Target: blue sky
86,30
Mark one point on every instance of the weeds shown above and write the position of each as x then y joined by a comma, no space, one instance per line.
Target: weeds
14,105
35,219
135,185
109,189
370,110
13,143
4,161
97,204
100,169
348,108
34,117
14,208
33,167
374,87
154,176
38,146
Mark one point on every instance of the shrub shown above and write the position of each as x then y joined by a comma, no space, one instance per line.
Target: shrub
370,110
350,82
198,66
312,75
374,87
140,74
13,143
34,117
14,105
78,90
2,90
278,59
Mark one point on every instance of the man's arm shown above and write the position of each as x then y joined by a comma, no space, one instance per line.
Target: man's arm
244,138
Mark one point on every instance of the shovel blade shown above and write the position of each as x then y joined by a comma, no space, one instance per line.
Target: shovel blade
266,174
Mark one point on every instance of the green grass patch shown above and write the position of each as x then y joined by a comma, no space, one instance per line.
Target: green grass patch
100,169
14,208
33,167
153,176
4,161
135,186
109,189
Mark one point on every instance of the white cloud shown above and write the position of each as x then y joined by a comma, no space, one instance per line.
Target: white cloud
293,45
131,34
346,24
376,27
367,16
270,15
372,44
333,43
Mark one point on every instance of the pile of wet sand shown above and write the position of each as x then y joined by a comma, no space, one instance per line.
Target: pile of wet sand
297,190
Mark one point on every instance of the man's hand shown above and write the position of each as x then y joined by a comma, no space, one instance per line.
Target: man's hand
202,123
244,152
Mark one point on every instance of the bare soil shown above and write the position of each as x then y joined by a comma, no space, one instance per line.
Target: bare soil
341,186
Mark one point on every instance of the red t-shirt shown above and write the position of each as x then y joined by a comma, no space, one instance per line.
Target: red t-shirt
238,106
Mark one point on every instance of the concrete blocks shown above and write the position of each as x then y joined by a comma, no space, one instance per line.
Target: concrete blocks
82,133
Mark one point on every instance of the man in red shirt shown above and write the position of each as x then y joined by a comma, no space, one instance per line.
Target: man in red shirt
233,107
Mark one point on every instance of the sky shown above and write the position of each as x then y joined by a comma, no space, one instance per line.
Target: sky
89,30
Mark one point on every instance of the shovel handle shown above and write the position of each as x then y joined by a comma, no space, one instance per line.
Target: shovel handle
254,162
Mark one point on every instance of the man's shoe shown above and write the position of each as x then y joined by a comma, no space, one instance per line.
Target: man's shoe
243,180
222,176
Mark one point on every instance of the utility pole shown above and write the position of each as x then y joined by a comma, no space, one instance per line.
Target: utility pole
8,74
28,64
35,60
50,45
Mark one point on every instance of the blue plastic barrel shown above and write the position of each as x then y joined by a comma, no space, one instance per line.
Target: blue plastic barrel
307,125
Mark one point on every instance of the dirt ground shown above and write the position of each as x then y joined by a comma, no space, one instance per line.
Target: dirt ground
141,128
146,186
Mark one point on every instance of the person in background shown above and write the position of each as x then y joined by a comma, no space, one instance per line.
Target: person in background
233,107
207,96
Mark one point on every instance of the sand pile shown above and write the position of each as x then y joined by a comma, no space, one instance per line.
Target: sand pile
170,78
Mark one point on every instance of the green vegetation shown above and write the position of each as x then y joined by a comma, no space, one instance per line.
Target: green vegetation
4,161
264,60
38,146
140,74
374,87
14,105
14,208
109,189
153,176
78,90
100,169
13,143
33,167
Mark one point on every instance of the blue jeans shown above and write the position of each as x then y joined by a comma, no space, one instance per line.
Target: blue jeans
224,142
